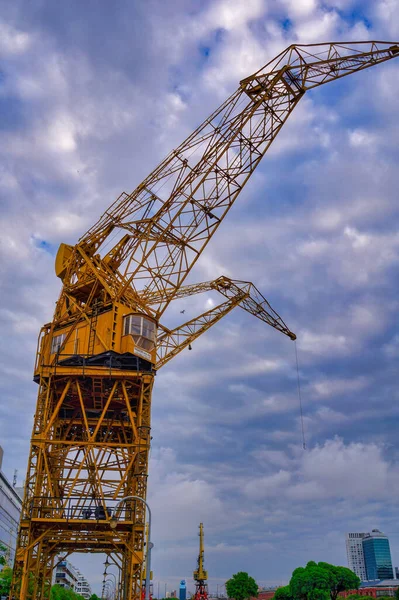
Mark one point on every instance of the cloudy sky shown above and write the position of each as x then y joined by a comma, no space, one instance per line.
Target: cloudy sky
92,96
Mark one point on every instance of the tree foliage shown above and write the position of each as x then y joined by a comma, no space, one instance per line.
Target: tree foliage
283,593
340,578
5,581
309,583
94,597
60,593
3,554
241,586
318,581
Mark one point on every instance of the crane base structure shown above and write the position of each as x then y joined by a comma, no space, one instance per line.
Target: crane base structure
97,359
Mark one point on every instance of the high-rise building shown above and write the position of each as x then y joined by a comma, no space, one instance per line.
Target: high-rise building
10,511
82,586
369,555
354,551
182,590
66,575
377,556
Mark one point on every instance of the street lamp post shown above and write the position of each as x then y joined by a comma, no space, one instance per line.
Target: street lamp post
113,575
113,564
110,582
113,523
117,583
106,588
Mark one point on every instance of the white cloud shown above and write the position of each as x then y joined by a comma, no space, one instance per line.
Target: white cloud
230,14
180,500
300,8
336,387
321,27
61,134
274,457
268,486
12,40
323,343
357,239
338,470
361,138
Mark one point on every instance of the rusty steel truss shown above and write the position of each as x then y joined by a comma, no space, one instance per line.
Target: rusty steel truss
95,368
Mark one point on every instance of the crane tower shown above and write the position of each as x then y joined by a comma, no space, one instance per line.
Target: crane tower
96,360
200,575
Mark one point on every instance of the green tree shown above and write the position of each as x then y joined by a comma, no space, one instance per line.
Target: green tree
283,593
310,583
319,580
397,594
5,581
60,593
340,579
94,597
241,586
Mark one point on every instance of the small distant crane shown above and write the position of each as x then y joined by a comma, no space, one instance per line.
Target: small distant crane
200,575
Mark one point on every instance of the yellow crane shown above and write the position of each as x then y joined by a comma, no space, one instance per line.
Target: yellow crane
200,575
96,360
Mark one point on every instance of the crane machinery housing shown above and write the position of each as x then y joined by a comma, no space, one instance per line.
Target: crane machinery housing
96,360
200,575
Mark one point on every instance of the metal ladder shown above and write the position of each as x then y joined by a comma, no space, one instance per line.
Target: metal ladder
98,393
93,327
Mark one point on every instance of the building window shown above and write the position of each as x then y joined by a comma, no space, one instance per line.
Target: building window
142,329
57,342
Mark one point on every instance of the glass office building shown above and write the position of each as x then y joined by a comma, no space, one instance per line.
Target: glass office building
377,556
182,590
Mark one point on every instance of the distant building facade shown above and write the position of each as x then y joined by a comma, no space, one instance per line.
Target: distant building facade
377,556
66,575
10,512
83,587
355,555
369,555
386,587
183,590
266,594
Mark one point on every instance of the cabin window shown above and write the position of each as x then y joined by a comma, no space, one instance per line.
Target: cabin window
142,330
57,342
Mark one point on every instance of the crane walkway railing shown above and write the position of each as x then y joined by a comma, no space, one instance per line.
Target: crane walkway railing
78,508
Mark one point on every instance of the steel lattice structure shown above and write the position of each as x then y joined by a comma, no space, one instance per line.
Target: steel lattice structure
97,359
200,576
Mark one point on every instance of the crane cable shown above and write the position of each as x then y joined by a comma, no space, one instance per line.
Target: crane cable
300,397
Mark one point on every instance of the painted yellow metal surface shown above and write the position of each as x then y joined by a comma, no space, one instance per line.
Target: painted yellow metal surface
97,359
200,574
